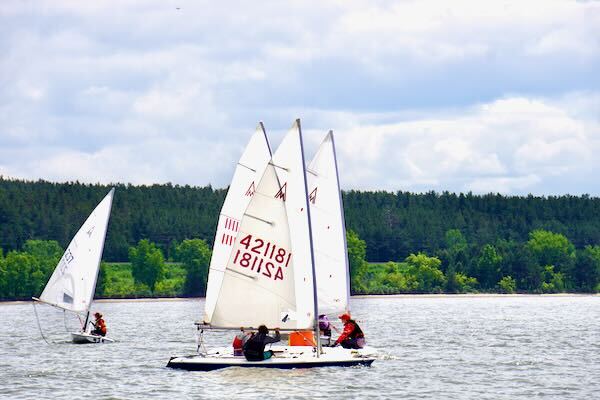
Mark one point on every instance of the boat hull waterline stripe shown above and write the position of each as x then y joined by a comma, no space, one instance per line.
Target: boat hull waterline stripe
192,366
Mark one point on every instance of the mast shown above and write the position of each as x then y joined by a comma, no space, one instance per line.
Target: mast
87,318
262,127
312,253
337,176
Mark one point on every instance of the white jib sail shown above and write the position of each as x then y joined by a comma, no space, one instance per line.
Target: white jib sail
290,168
243,186
268,279
73,282
329,231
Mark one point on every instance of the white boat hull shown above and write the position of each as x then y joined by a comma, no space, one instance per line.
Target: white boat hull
285,357
84,338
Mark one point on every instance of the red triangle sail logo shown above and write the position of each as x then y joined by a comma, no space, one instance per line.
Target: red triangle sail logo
312,197
282,192
251,190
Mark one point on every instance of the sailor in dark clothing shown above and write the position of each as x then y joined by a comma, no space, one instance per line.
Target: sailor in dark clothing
352,337
254,348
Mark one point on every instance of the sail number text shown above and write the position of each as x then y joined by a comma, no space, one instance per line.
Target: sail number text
66,260
263,257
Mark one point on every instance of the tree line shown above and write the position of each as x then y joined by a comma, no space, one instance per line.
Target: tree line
547,263
477,243
25,272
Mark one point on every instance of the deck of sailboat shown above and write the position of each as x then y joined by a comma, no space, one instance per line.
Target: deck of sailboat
85,338
285,357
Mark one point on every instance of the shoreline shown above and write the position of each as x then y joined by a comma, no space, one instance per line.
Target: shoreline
362,296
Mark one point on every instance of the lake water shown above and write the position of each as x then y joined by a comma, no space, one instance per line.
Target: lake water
432,347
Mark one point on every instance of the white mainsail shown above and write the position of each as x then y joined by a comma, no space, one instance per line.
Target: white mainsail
73,282
243,186
329,230
268,279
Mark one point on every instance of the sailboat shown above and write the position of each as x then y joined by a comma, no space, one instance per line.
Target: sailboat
269,277
73,283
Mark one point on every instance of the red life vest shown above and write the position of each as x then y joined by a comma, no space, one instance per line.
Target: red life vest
237,343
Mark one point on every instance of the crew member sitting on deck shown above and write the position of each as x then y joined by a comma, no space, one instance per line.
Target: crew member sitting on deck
99,325
254,348
352,337
239,340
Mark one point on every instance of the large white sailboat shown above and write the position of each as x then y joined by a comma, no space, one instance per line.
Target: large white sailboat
73,283
270,275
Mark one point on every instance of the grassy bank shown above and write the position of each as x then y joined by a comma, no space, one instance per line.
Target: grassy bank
116,281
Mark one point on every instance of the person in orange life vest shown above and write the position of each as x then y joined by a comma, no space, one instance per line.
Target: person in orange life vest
238,342
99,325
352,337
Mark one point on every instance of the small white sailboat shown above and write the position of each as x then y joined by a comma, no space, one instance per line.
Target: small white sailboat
269,277
73,283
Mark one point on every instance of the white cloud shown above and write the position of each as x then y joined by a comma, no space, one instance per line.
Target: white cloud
470,96
510,145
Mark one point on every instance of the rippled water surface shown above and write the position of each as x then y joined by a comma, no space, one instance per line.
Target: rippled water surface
432,347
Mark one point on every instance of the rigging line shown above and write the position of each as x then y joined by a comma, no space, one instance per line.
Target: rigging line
65,321
200,341
312,172
81,322
37,318
245,166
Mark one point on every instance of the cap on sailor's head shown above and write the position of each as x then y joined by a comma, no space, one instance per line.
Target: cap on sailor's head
344,317
98,315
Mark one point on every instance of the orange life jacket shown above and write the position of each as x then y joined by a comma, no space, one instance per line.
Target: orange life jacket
101,326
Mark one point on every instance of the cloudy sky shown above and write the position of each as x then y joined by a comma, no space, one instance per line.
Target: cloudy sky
475,96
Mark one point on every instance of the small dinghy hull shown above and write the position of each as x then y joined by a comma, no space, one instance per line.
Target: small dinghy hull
85,338
284,358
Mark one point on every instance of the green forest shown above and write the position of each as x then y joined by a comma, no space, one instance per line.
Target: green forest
159,239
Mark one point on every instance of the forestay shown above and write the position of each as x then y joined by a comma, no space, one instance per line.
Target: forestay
268,279
73,282
329,231
243,186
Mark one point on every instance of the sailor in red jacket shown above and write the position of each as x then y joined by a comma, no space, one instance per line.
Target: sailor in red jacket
352,337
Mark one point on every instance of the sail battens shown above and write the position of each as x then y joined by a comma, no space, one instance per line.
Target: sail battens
259,219
245,166
279,166
233,271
